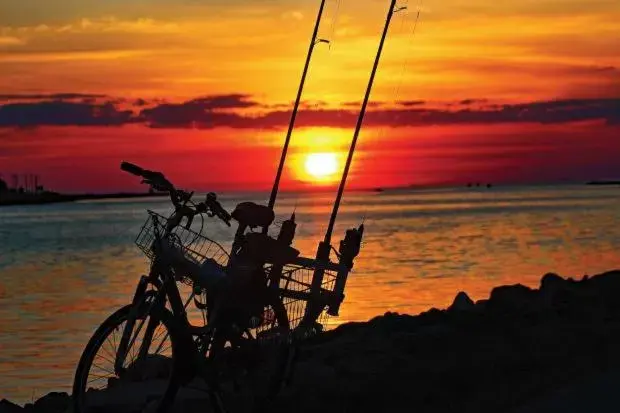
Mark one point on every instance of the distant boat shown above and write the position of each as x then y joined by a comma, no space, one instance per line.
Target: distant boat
478,185
379,190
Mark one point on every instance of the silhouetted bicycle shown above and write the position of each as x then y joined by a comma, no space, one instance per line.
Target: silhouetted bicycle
258,302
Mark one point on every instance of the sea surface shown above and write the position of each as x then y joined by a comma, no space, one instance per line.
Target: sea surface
65,267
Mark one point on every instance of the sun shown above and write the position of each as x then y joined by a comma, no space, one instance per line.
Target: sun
321,166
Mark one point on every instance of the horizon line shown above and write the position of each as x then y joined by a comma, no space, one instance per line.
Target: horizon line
324,189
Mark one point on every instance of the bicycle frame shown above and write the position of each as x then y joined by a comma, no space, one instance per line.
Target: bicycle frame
165,290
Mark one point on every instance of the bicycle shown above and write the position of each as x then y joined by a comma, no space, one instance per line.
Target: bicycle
259,302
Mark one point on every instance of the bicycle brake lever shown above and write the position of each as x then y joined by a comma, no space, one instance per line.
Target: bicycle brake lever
153,185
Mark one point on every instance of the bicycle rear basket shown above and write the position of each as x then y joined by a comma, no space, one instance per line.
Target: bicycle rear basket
195,246
297,280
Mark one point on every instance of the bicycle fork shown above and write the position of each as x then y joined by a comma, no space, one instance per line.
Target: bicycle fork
136,306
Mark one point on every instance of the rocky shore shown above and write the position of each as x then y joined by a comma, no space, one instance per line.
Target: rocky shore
512,353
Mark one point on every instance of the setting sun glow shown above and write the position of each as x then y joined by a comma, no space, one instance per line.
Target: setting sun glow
321,166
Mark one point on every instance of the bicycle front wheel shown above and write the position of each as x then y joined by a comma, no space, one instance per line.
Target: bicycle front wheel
146,371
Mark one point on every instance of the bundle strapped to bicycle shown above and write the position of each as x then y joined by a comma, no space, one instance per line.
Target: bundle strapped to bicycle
194,247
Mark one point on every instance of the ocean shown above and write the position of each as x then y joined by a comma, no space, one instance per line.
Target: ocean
65,267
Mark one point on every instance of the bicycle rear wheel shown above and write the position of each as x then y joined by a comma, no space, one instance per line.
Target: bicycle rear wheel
250,366
146,376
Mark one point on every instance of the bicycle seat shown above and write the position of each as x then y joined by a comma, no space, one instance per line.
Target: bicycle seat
253,215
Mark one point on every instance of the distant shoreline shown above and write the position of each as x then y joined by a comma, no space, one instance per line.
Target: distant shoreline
54,198
17,199
603,183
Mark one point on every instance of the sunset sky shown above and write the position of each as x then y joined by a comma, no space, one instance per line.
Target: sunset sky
504,92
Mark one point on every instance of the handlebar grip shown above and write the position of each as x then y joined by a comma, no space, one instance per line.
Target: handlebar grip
132,169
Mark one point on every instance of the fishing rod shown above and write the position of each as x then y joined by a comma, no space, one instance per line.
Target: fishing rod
358,127
313,42
324,248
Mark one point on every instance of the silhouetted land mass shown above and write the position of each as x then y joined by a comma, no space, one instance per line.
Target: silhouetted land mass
15,198
522,350
603,183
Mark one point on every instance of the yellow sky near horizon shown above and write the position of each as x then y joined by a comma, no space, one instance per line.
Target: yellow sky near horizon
520,51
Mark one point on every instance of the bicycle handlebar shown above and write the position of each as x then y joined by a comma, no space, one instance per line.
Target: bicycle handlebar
179,197
156,179
131,168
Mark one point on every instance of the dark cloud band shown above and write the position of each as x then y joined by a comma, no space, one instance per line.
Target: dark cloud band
227,111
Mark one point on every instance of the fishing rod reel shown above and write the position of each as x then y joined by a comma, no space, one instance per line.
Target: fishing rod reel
348,249
350,246
287,230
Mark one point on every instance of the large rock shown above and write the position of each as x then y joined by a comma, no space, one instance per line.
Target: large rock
551,281
462,302
53,403
514,299
606,288
608,282
576,299
9,407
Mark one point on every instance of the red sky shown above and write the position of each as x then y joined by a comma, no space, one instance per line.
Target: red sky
504,92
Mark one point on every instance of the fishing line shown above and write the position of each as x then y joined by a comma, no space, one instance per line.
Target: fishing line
383,129
332,36
402,21
413,31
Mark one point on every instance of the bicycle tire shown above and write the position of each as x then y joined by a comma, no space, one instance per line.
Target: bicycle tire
97,341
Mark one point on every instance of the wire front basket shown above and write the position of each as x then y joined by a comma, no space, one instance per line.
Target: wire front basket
195,246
